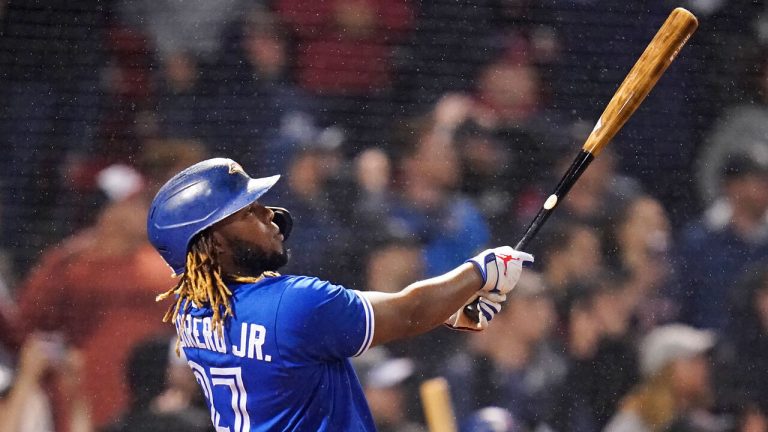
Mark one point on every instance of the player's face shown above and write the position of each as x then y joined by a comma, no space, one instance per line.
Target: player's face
250,242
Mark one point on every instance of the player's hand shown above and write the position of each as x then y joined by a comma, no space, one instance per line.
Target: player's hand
489,305
500,268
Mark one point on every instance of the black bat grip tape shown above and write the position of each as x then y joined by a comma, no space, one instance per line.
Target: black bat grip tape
577,168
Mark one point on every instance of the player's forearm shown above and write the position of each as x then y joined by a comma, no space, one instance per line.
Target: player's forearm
423,305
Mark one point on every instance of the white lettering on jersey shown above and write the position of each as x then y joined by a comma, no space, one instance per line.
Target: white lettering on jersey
207,334
240,350
199,333
196,332
256,340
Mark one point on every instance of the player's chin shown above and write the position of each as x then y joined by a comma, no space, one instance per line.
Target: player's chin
280,259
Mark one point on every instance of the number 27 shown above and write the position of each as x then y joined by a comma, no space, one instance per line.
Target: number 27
232,378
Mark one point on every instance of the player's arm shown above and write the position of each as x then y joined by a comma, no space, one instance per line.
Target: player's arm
426,304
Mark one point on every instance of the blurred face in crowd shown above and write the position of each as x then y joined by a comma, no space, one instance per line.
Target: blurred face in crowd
265,51
749,193
309,171
508,86
761,305
387,405
531,317
394,266
645,229
121,227
691,380
610,311
180,71
584,253
436,161
355,18
588,191
484,155
373,170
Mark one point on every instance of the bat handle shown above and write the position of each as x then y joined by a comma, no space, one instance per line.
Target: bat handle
579,165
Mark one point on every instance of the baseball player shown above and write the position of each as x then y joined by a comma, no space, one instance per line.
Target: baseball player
270,351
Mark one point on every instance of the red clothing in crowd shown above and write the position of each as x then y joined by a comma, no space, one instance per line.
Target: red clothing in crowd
103,303
346,46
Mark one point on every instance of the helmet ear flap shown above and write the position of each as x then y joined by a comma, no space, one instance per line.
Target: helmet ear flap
283,220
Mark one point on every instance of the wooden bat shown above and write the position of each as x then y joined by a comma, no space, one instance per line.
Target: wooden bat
438,410
658,55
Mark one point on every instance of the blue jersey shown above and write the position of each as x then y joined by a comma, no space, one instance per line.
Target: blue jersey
282,362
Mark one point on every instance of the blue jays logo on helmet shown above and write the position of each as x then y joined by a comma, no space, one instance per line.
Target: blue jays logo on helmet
197,198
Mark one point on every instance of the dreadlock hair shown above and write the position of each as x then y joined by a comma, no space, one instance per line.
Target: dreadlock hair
201,283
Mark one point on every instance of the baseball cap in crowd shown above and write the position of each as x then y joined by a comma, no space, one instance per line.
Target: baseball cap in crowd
377,368
745,164
389,373
672,342
491,419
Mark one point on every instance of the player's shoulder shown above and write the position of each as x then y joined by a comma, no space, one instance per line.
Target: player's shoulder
308,285
309,291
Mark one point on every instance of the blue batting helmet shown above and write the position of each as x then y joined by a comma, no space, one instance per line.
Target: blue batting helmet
197,198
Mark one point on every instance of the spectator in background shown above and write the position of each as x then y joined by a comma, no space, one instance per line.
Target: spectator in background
514,366
393,262
396,259
319,211
730,236
256,110
491,419
487,161
601,360
448,44
345,56
676,391
176,26
373,176
24,405
49,101
638,245
156,405
741,128
98,286
180,107
742,351
160,158
388,388
569,253
509,100
429,206
598,193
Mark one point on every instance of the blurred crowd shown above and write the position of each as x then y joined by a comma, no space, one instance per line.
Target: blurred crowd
411,135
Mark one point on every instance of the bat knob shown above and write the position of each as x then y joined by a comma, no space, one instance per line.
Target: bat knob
472,311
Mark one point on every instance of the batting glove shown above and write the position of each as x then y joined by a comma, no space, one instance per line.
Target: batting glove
489,305
500,268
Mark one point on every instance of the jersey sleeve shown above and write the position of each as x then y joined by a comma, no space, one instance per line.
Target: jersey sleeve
319,321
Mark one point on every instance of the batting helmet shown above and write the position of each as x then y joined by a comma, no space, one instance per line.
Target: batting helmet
197,198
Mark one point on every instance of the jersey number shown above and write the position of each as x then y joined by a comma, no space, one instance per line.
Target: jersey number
228,377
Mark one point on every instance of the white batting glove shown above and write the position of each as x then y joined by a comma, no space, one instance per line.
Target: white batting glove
489,305
500,268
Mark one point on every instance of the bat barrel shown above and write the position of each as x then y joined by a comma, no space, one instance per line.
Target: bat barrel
658,55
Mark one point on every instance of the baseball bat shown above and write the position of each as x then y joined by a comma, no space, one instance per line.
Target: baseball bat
436,401
658,55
